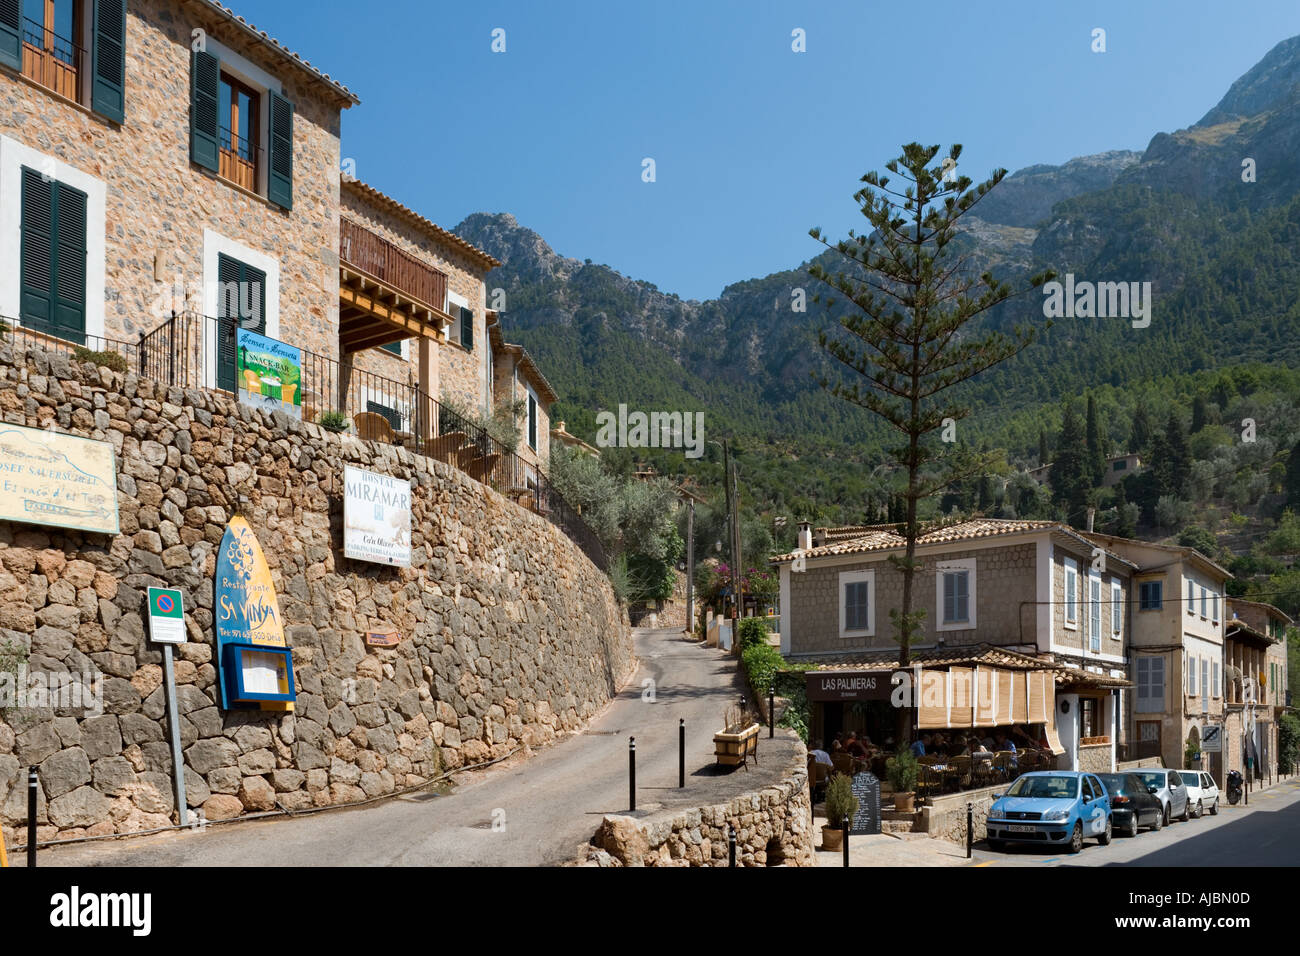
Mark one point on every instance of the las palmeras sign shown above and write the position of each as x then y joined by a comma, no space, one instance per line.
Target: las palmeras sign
256,665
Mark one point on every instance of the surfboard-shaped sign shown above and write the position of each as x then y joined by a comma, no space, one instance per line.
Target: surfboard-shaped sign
246,611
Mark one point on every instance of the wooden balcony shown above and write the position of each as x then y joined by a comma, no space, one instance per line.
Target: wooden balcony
385,293
51,60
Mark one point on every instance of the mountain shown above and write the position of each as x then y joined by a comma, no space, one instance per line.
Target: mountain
1221,255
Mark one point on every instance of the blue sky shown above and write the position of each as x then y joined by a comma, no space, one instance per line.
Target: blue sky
753,143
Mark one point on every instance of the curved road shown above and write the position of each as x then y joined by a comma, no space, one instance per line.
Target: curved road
550,804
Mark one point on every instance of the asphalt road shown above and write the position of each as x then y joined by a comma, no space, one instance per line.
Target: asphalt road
1266,833
550,804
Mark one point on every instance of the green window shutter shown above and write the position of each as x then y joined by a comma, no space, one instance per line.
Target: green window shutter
256,280
53,258
205,80
394,347
229,274
108,60
467,328
280,152
11,33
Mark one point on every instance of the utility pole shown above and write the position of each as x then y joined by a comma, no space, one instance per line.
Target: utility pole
733,508
690,565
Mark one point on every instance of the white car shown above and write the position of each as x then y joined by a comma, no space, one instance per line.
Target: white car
1202,792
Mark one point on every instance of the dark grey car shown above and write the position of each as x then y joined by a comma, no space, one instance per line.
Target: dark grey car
1169,788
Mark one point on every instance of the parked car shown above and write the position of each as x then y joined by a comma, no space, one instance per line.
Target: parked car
1168,786
1051,806
1132,804
1202,792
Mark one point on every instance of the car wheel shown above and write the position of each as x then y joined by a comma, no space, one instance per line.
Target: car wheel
1214,807
1076,839
1133,827
1160,821
997,846
1187,811
1199,810
1166,815
1104,838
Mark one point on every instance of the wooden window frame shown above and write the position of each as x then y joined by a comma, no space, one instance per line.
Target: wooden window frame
42,65
244,173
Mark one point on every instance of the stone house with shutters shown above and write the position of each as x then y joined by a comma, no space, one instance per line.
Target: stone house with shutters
1255,685
1176,650
1035,589
517,381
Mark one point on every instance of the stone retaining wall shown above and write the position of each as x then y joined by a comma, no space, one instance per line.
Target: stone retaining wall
946,818
510,635
774,826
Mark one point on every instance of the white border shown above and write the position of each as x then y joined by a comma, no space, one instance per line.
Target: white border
959,564
214,244
13,157
853,577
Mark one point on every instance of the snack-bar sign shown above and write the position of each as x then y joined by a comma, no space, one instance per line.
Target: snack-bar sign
851,685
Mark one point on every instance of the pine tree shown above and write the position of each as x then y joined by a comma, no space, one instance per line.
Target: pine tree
1179,457
1142,434
1292,486
1071,478
1199,416
908,309
1042,448
1096,453
1125,514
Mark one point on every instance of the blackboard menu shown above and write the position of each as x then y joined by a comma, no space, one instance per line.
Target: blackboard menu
866,787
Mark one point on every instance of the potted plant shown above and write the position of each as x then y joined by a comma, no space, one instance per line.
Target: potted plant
841,802
334,421
903,772
737,740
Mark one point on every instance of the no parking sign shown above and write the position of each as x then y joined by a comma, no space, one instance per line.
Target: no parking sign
166,616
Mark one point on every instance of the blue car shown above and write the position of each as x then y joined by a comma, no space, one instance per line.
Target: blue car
1062,807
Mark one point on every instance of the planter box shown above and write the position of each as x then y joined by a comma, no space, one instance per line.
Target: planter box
734,749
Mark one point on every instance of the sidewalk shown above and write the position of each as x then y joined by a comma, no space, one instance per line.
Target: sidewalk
886,849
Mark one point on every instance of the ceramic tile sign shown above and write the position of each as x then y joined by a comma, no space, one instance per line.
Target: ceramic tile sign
376,518
268,373
57,480
256,665
166,616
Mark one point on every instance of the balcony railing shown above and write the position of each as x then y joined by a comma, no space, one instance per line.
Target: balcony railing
375,255
79,348
51,60
239,159
191,351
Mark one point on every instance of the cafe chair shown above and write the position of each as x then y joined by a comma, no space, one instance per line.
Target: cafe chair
372,426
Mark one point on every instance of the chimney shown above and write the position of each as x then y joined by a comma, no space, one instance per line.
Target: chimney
1092,513
805,535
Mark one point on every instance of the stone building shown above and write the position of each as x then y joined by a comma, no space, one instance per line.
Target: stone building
1037,591
1176,650
1256,688
517,383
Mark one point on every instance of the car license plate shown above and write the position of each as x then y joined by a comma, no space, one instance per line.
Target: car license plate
1020,828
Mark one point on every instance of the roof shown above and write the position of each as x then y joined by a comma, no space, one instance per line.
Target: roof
887,659
1237,628
559,433
1075,677
412,218
862,539
523,360
1260,604
1190,554
274,45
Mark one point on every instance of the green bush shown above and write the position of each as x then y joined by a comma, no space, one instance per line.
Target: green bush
903,771
841,802
761,662
109,360
752,631
1288,742
335,421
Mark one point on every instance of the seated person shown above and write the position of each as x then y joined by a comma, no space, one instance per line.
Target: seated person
821,756
921,747
854,747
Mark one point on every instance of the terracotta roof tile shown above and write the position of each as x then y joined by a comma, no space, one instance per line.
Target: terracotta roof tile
413,218
887,659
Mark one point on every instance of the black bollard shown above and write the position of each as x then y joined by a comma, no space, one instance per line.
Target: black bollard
771,710
731,845
681,752
32,784
631,774
970,827
844,826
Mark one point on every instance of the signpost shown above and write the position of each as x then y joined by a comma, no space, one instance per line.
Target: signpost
1212,738
167,627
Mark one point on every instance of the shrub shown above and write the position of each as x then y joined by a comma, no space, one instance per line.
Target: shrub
752,631
335,421
903,771
109,360
841,802
1288,742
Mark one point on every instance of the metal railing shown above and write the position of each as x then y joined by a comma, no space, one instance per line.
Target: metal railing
189,350
53,61
240,158
82,347
371,253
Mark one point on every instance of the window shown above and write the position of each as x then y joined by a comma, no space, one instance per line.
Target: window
1090,717
857,597
393,347
1191,676
1191,598
1094,613
955,595
390,415
1116,608
42,39
1205,684
241,304
1119,465
1150,685
1151,596
532,422
1214,606
239,130
466,326
53,257
1071,592
1216,687
1205,598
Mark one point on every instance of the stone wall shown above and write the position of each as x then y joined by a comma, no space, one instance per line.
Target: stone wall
1095,758
946,817
774,826
510,636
